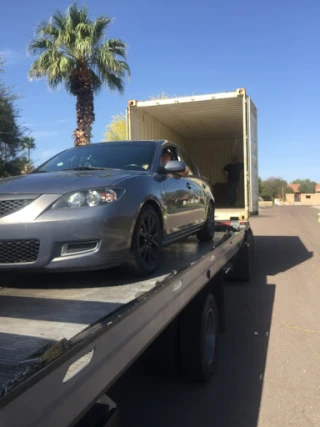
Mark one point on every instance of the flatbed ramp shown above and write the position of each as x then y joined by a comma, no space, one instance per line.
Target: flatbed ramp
38,310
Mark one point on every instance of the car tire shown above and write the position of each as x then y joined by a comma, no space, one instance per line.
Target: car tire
207,232
199,330
146,243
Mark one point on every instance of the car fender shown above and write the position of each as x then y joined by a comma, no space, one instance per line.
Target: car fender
145,200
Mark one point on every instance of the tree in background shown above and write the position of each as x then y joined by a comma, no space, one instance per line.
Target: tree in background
12,134
72,53
117,129
27,143
273,187
260,187
163,95
305,185
289,190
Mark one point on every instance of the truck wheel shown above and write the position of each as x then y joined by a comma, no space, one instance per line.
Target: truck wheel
146,243
162,358
199,338
207,232
243,262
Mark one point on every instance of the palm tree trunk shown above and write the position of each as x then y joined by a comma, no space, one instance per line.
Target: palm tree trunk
84,109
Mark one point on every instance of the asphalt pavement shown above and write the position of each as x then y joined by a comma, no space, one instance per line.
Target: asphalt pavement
269,356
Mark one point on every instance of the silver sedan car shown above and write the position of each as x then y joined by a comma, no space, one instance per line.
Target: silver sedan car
103,205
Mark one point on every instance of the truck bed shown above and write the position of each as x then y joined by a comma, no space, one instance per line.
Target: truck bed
36,310
99,322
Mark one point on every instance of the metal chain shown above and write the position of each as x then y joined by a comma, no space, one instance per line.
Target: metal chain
34,363
18,378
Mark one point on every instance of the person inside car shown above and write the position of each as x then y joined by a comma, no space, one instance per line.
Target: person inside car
167,156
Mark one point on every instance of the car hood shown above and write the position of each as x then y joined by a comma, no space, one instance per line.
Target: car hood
61,182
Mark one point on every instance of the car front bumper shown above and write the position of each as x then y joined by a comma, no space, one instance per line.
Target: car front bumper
66,239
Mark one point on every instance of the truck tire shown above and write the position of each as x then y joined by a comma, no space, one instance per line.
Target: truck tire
199,339
162,358
147,234
207,232
243,262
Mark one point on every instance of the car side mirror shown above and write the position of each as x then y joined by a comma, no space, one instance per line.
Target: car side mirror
175,166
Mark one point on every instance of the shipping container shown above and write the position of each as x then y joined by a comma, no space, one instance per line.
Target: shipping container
211,129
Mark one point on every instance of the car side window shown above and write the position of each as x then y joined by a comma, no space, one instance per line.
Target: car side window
172,150
182,156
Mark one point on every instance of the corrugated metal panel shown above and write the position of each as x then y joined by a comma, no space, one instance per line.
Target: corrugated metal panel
144,127
209,128
253,157
216,119
219,119
212,155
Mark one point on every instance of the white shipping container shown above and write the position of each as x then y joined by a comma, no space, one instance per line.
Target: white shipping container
210,128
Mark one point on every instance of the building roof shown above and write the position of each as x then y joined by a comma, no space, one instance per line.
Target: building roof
295,187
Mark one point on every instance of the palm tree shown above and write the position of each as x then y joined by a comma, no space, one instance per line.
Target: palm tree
27,143
72,53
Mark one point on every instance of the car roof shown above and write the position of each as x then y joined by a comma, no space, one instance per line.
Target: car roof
127,141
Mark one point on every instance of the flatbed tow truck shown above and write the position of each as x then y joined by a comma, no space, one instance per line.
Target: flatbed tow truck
63,346
65,339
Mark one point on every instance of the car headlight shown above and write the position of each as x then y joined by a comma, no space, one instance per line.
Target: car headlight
88,198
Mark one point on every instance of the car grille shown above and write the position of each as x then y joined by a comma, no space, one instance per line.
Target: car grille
8,207
19,251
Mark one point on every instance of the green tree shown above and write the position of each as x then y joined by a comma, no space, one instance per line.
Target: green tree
260,187
27,143
72,53
273,187
288,190
306,185
12,134
117,129
163,95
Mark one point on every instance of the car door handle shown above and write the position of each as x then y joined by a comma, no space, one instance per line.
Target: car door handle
204,186
189,185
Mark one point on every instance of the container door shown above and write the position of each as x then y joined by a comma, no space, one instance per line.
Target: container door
252,146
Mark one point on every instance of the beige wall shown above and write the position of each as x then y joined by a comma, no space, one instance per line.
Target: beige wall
313,200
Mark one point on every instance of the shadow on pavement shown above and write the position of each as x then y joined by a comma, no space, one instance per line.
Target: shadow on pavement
233,397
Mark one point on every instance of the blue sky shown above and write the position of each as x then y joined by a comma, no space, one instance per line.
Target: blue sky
270,48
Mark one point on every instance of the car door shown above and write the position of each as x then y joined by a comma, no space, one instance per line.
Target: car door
178,200
198,191
179,203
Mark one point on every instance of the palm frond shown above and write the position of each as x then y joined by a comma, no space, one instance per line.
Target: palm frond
59,21
98,29
116,46
113,81
76,16
52,65
40,45
96,82
105,61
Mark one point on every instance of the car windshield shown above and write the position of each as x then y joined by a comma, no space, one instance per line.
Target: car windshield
119,155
